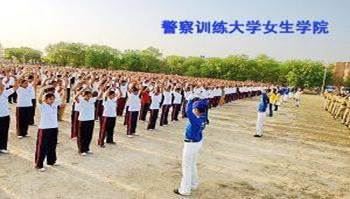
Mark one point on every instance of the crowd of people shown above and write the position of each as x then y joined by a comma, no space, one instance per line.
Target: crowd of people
101,95
338,105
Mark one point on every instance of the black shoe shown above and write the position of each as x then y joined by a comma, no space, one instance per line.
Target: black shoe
258,136
111,143
176,191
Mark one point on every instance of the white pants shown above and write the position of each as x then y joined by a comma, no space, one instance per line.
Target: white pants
260,123
189,167
285,97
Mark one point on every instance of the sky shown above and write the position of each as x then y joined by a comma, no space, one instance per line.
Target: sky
136,24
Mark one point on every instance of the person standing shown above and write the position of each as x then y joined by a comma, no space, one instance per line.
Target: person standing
192,144
24,108
86,107
5,116
109,117
47,133
145,103
165,106
156,99
176,104
297,97
134,106
264,102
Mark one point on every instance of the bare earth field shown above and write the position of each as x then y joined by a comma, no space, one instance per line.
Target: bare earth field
303,154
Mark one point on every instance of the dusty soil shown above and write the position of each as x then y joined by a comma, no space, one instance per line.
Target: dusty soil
303,154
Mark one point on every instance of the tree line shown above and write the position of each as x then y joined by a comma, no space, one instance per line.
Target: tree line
296,72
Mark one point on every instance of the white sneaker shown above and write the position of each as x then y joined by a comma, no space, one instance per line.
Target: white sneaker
83,154
53,165
19,137
130,136
4,151
136,134
42,169
89,152
27,136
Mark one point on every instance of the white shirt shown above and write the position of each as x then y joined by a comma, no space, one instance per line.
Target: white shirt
177,98
24,97
58,98
156,100
32,90
48,116
86,109
167,98
4,107
110,108
123,90
134,102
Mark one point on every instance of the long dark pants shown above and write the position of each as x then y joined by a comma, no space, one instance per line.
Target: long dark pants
132,122
164,115
68,95
270,110
23,118
98,110
121,105
175,112
143,111
13,97
153,119
184,104
31,119
74,123
4,131
86,129
46,147
106,130
276,107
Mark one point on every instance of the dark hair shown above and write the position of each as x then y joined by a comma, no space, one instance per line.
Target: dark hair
49,95
111,93
87,93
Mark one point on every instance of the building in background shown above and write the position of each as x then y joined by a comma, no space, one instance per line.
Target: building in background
342,70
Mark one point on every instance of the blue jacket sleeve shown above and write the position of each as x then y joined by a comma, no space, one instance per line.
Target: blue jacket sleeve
191,116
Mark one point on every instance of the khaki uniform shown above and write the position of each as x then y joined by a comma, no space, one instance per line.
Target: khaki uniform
346,115
341,107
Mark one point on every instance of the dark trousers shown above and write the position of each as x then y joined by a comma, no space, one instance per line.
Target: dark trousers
153,119
120,106
68,95
175,112
74,124
106,130
13,97
4,131
270,110
126,116
23,118
164,115
143,111
31,119
98,109
46,147
184,104
276,107
132,122
86,129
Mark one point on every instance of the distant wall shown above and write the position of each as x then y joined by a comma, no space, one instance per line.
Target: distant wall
342,70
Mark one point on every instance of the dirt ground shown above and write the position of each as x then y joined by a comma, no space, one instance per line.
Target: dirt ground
303,154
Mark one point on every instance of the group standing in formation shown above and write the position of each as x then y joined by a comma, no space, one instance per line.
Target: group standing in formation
103,95
338,105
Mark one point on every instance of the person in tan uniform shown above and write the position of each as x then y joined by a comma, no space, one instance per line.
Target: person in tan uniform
346,115
340,108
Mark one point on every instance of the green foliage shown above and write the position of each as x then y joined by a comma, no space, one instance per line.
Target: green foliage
300,73
23,55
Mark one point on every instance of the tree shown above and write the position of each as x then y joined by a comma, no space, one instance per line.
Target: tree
23,55
64,54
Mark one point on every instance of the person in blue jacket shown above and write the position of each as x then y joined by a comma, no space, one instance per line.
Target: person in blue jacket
264,102
197,119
